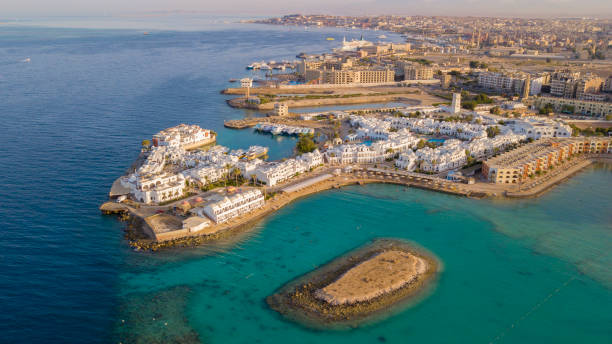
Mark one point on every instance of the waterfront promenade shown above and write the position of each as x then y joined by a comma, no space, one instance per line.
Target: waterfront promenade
335,177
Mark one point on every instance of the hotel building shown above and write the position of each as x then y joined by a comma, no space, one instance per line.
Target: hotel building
418,73
182,135
585,107
234,205
515,166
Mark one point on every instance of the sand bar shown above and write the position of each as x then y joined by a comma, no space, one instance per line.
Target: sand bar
368,283
379,275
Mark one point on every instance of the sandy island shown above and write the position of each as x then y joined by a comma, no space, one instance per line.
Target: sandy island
383,273
362,285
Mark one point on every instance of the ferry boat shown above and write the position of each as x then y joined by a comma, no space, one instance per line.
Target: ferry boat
354,44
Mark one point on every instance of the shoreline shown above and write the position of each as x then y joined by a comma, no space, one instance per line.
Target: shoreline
136,232
298,300
558,179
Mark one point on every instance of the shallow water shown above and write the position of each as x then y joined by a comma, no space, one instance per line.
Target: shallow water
73,118
513,283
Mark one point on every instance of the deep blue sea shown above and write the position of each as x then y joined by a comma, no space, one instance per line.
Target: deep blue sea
526,271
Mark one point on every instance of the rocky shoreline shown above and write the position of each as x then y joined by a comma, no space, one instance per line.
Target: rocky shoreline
299,299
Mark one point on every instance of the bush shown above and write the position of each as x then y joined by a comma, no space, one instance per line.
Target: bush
305,144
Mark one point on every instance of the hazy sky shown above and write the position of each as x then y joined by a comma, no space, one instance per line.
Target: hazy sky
530,8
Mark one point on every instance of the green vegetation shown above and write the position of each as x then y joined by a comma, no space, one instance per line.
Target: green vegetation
492,131
422,61
495,110
568,109
465,119
424,143
597,55
472,102
546,109
146,143
305,144
590,132
476,64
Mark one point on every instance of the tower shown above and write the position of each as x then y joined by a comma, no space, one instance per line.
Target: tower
456,105
526,87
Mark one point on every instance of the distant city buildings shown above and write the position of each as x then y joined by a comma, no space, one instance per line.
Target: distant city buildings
418,73
512,83
584,107
351,76
572,85
528,38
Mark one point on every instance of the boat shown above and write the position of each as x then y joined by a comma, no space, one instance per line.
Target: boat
27,60
330,38
382,36
233,80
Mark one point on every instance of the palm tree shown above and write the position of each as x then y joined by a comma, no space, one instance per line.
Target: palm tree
227,172
254,177
236,173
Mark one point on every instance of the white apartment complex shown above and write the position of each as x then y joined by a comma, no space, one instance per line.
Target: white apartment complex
234,205
274,173
181,136
511,82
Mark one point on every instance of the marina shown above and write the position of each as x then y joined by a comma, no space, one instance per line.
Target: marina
279,129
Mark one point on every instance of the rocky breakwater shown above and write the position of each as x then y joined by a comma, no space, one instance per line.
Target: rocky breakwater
369,282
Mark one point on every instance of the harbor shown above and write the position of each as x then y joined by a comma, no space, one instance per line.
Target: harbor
180,196
279,129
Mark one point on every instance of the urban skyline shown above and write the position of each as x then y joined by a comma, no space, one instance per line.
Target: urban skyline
506,8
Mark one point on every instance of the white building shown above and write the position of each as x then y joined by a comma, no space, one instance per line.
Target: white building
407,161
157,188
234,205
536,128
182,135
456,104
281,109
246,82
277,172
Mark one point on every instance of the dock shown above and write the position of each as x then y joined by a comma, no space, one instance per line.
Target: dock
240,123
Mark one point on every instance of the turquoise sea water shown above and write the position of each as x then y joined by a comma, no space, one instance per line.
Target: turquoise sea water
528,271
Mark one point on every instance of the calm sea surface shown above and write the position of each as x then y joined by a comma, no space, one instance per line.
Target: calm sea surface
528,271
